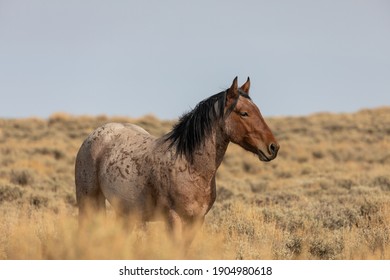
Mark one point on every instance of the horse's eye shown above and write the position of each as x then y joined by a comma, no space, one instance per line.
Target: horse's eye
244,114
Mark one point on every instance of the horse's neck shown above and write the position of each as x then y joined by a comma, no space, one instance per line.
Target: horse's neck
209,157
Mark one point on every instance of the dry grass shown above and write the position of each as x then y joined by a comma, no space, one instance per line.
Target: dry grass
326,196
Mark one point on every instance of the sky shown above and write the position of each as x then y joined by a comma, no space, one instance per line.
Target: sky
133,58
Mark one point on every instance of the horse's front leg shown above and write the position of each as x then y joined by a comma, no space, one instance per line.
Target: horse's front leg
183,230
190,228
175,225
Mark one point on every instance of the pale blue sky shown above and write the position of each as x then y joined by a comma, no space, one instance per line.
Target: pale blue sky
133,58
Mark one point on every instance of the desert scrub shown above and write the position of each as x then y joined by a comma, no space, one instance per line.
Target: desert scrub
324,197
22,177
327,246
10,193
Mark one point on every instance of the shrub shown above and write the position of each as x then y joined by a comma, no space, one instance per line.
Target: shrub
10,193
22,177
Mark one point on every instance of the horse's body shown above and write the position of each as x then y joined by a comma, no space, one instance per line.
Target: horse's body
134,171
172,177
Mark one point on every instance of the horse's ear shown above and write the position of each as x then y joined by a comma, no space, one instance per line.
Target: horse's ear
232,92
245,87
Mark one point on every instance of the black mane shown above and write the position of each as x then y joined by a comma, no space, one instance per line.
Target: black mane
189,133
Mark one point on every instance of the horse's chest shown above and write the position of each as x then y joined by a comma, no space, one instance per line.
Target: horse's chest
196,200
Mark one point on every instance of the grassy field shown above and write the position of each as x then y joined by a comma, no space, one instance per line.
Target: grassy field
326,196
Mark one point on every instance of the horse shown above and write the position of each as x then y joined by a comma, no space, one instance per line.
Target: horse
171,177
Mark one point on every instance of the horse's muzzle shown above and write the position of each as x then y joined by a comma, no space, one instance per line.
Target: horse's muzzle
273,149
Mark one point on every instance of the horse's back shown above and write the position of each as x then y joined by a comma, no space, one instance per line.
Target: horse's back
98,140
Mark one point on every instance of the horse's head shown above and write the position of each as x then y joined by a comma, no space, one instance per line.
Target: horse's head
244,124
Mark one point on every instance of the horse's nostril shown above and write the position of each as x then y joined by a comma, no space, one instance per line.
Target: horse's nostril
273,148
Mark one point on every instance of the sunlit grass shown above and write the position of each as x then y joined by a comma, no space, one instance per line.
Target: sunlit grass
326,196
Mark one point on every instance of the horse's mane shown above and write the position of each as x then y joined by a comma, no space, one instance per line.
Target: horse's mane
189,133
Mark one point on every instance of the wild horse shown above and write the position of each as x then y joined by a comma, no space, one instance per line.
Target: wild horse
172,177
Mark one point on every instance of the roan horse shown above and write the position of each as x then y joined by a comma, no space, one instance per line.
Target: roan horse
172,177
